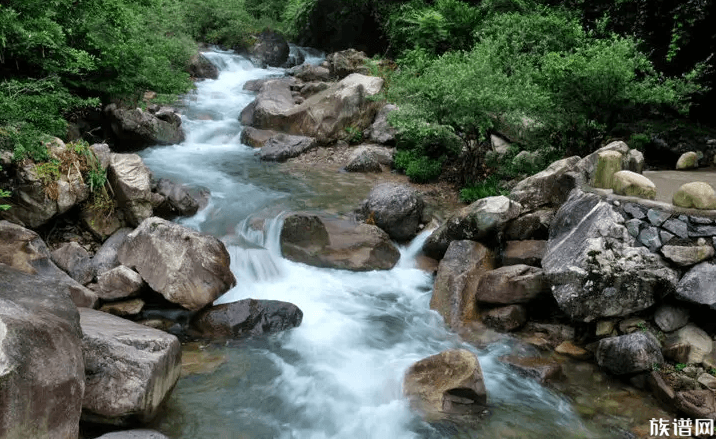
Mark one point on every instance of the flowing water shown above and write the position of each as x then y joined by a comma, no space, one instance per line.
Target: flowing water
339,374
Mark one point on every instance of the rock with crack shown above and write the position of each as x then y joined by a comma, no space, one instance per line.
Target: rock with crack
594,268
132,183
186,267
333,243
131,369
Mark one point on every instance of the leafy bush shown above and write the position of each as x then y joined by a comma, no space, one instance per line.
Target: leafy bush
489,187
418,168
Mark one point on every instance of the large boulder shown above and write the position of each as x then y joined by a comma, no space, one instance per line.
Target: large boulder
698,285
608,164
698,195
549,187
686,256
270,49
510,284
186,267
311,73
201,68
132,183
631,353
282,147
42,377
395,208
178,200
336,244
255,137
529,252
484,218
586,168
118,283
24,250
450,382
380,131
687,160
347,62
532,225
245,318
369,158
593,266
136,129
131,369
633,185
324,116
454,289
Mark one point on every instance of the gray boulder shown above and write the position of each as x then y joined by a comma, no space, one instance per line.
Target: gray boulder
132,183
532,225
336,244
698,285
270,49
106,257
380,131
282,147
273,100
42,375
74,260
347,62
136,129
245,318
201,68
454,288
178,200
510,284
395,208
669,318
255,137
627,354
311,73
594,268
131,369
183,265
118,283
505,318
485,218
369,158
548,188
690,344
23,250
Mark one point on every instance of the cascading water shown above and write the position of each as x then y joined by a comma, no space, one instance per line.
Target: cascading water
339,374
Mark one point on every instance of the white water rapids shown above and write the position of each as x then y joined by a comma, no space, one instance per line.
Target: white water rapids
339,374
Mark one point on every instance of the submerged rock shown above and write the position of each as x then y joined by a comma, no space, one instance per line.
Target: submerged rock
186,267
450,382
246,317
336,244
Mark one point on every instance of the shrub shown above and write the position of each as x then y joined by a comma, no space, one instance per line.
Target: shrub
489,187
418,168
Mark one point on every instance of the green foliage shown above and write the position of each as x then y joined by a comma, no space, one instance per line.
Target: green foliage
639,141
419,168
296,16
48,171
679,367
4,194
488,187
355,135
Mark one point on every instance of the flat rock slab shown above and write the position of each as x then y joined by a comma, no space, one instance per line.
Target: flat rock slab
247,317
540,369
130,368
133,434
334,243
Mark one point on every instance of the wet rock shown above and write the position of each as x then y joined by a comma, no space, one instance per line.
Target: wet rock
540,369
661,390
453,292
670,318
178,200
256,138
136,129
131,369
133,434
698,195
482,219
106,257
311,73
74,260
41,364
506,318
698,404
186,267
594,270
201,68
23,250
369,158
126,308
687,160
395,208
608,163
571,350
270,49
685,256
510,284
380,131
347,62
282,147
689,344
119,283
698,285
547,188
626,354
632,184
336,244
450,382
247,317
131,180
268,110
524,252
533,225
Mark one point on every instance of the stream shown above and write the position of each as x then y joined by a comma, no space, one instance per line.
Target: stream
339,374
